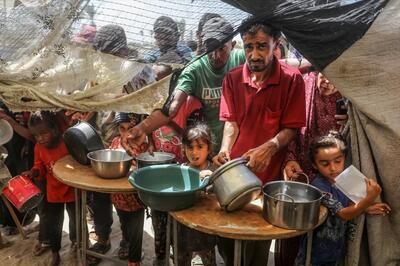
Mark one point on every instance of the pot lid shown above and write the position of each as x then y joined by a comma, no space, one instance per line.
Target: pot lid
226,167
242,199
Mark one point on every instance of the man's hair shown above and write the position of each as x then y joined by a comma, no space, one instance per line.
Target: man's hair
251,26
110,39
165,24
204,18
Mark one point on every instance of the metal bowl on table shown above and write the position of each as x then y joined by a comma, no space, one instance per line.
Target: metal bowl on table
157,158
291,205
109,163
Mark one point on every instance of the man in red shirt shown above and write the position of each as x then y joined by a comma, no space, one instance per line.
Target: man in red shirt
263,106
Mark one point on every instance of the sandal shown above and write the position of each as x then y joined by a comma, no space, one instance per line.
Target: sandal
40,248
99,247
123,253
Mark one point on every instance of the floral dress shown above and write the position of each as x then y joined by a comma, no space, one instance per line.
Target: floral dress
126,201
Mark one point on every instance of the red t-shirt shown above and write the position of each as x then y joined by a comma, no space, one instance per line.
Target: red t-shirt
187,108
261,114
44,161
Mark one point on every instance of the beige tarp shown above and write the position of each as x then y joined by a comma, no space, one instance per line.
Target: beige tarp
368,74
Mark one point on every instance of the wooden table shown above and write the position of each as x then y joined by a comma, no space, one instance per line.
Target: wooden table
245,224
83,179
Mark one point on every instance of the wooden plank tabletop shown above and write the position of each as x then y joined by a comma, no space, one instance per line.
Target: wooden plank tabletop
74,174
245,224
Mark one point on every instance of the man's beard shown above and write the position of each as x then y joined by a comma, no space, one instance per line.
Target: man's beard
257,68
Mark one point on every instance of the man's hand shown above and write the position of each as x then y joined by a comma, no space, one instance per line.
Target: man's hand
74,116
221,158
341,119
260,157
132,141
292,170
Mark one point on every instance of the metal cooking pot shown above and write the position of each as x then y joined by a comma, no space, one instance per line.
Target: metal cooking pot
146,159
291,205
110,163
235,185
81,139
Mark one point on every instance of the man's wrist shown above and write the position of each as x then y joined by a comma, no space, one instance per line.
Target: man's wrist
143,127
274,143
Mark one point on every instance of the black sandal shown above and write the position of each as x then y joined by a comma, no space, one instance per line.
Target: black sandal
123,253
98,247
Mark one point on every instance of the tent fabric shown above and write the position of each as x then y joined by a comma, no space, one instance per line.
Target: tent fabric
48,62
78,54
367,75
92,82
321,32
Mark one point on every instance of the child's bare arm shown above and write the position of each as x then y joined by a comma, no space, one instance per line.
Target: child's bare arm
33,173
378,209
373,191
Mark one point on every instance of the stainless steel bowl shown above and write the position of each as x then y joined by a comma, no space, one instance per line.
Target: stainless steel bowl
110,163
146,159
291,205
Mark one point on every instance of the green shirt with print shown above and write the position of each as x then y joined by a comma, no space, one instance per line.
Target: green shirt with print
202,81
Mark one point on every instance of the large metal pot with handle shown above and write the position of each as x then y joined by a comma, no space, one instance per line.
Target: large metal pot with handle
291,205
235,185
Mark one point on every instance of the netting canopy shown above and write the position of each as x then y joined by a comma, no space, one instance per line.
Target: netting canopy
97,55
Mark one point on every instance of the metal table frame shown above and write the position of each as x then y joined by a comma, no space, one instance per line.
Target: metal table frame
83,179
237,248
237,244
82,235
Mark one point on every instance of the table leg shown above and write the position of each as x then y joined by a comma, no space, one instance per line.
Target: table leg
309,247
78,225
14,217
237,252
175,231
84,227
168,241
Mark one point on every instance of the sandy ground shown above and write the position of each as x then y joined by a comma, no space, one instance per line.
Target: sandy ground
19,253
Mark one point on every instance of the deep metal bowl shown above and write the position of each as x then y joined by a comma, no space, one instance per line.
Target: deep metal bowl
146,159
291,205
110,163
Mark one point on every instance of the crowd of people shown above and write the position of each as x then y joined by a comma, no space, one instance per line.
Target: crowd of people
227,104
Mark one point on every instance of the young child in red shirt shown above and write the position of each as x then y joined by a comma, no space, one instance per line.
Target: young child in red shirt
49,148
